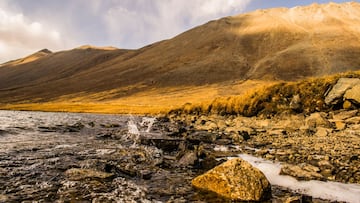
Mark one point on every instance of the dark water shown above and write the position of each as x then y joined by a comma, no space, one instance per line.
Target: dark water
38,148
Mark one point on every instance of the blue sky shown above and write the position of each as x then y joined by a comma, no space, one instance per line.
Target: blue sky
27,26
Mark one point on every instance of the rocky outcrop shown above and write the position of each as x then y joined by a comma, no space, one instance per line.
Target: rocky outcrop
353,94
236,180
346,91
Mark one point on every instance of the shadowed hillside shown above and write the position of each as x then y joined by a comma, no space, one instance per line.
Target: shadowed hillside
265,45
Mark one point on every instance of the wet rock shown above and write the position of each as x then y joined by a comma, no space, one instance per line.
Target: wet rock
77,127
339,89
201,136
112,125
188,159
301,172
236,180
167,144
80,174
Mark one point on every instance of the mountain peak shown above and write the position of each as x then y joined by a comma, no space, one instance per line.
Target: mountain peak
107,48
46,51
33,57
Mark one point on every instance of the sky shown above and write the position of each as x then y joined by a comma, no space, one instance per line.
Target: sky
27,26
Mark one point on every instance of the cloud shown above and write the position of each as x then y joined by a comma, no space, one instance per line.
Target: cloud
19,36
135,23
28,26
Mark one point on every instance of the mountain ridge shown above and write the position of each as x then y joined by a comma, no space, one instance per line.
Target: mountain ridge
268,45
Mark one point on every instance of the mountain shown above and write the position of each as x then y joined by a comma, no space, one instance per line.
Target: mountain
33,57
264,45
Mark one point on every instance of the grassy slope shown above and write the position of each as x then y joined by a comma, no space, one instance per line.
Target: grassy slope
155,101
248,98
271,99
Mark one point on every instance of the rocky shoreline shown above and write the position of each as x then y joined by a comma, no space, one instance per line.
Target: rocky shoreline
319,146
91,158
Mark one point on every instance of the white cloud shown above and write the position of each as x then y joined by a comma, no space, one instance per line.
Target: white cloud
19,36
148,21
26,27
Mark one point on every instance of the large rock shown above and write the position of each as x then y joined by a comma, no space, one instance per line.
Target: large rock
236,180
353,94
340,88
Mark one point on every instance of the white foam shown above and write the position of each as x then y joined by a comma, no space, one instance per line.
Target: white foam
318,189
149,122
132,127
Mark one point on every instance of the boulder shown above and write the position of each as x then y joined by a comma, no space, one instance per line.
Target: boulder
353,94
339,89
236,180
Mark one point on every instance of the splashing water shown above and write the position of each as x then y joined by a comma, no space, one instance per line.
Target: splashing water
132,127
149,122
134,132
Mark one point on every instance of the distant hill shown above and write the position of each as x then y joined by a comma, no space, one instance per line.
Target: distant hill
269,45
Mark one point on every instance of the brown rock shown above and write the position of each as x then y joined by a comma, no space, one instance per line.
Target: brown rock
353,94
303,172
80,174
340,125
343,115
236,180
339,89
317,120
188,159
347,104
322,132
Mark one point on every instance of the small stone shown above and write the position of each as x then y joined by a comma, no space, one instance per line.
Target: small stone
339,125
322,132
347,104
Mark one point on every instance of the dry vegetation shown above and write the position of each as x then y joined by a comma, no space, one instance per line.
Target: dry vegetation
303,96
247,98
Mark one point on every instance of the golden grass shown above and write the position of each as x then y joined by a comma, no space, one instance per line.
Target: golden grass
248,98
271,99
106,108
154,102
